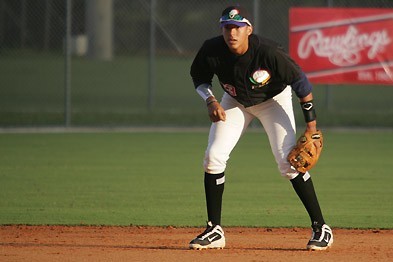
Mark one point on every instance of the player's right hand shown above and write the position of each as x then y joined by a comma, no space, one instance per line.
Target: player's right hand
216,112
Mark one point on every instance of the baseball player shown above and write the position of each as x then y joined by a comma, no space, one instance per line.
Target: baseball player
258,78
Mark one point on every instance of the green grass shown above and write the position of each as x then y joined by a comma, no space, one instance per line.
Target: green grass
116,93
156,179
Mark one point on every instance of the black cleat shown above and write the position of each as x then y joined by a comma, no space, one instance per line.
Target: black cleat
321,239
212,237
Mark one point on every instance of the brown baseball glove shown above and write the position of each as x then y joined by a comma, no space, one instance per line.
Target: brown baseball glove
307,151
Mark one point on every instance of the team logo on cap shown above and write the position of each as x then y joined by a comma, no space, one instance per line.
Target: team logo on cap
233,13
260,78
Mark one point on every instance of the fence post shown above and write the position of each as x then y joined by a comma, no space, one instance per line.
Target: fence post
67,65
99,27
256,16
23,25
152,57
328,94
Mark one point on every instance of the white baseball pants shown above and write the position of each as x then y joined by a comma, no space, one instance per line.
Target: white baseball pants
276,116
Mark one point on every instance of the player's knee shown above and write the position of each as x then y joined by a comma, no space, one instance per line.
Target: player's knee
214,163
213,167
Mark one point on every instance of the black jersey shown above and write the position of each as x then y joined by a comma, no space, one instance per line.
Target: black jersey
252,78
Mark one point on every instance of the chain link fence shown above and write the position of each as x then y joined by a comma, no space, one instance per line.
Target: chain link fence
126,62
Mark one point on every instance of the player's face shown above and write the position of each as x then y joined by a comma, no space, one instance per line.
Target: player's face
237,38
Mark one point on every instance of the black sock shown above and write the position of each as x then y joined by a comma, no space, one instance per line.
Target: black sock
214,189
305,190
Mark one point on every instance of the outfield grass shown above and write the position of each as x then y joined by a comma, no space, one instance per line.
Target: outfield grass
117,93
156,179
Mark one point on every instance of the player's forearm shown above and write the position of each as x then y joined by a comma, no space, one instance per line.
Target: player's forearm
204,90
309,114
307,98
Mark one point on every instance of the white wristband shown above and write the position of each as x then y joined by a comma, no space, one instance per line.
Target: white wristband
204,91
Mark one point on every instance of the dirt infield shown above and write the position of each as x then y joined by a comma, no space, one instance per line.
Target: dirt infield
88,243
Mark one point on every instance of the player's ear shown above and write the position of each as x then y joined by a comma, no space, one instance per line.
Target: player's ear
249,30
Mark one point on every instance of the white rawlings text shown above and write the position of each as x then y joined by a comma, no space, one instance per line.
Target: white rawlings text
343,50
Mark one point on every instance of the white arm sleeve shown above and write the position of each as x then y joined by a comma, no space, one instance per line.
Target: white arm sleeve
204,90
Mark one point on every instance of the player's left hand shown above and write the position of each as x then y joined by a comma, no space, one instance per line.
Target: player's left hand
307,151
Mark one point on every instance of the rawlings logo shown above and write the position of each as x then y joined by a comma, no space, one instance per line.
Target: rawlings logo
345,49
315,136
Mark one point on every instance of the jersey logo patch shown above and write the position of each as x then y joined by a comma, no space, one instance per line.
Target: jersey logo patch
230,89
260,78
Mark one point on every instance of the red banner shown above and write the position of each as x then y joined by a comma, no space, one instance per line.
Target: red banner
343,45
